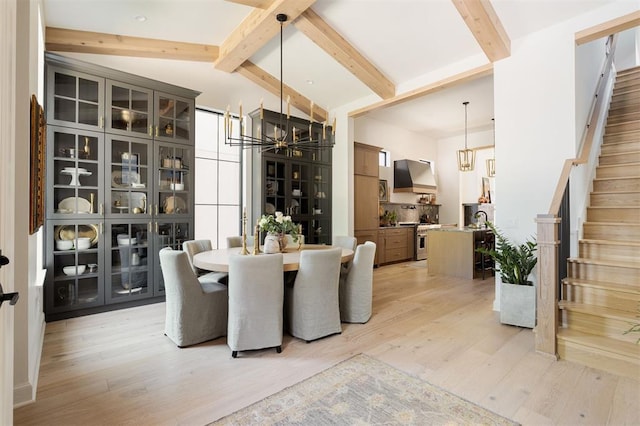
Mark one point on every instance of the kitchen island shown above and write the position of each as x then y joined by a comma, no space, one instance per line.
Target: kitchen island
451,252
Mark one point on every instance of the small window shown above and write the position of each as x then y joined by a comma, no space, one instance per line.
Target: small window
384,158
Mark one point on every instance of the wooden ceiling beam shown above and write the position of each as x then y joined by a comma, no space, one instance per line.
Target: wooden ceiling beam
271,84
260,4
255,31
328,39
65,40
605,29
463,77
486,27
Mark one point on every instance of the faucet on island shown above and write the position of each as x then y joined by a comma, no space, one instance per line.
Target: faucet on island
477,216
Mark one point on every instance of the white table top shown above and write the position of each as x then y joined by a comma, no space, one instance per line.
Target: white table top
218,260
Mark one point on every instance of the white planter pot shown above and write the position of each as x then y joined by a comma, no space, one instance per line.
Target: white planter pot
518,305
271,244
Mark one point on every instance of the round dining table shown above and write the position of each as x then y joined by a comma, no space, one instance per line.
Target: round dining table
218,260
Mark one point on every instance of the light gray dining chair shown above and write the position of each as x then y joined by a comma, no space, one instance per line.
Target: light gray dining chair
256,293
356,288
236,241
193,247
346,242
195,311
312,301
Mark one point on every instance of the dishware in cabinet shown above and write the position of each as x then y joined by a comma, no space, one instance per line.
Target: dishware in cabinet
74,98
74,265
128,177
128,260
168,234
75,172
174,184
174,118
129,109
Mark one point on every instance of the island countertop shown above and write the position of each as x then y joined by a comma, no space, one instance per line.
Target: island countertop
451,251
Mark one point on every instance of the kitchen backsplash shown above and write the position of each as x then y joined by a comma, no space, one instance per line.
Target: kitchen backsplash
413,212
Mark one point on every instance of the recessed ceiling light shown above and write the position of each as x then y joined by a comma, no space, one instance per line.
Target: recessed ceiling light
140,18
309,81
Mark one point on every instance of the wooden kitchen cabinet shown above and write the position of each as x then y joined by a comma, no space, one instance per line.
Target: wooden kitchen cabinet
365,160
365,205
395,244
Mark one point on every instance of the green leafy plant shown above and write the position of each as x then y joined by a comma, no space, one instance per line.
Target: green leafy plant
513,262
635,328
279,224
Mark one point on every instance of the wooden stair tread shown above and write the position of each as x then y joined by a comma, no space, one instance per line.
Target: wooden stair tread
616,177
611,242
614,207
598,311
613,154
614,192
627,349
612,224
617,264
623,288
636,164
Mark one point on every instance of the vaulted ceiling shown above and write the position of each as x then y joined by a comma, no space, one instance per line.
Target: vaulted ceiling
335,51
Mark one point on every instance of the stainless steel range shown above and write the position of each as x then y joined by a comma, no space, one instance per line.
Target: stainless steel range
420,233
421,241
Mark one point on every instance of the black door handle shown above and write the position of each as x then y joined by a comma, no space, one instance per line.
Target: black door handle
12,298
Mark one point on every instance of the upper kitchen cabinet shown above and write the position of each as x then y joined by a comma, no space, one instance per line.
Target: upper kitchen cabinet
366,160
129,109
174,118
75,99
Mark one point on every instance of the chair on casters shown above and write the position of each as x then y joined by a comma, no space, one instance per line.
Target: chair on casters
195,311
356,288
312,302
256,293
193,247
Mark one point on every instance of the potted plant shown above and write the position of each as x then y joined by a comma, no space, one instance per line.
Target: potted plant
514,263
277,227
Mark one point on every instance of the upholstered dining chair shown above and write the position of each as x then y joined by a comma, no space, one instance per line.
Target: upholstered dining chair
347,242
193,247
195,311
356,288
256,293
236,241
312,301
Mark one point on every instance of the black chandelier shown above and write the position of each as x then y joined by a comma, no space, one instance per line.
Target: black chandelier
285,135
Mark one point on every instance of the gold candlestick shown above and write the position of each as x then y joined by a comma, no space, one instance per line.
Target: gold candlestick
244,250
299,236
256,241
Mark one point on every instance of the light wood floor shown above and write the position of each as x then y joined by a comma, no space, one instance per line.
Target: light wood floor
119,368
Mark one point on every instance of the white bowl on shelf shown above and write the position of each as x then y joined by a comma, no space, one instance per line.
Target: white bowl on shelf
126,240
177,186
74,270
83,243
64,244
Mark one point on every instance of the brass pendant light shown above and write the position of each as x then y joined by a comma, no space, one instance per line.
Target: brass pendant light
466,156
491,162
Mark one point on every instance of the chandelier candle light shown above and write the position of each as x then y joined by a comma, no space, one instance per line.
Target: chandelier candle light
491,162
285,135
466,156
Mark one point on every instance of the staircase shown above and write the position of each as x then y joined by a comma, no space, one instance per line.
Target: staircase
601,295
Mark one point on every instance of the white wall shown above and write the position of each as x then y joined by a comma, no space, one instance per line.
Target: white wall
29,317
535,119
401,144
455,187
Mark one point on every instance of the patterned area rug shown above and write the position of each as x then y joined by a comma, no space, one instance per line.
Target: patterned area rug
363,391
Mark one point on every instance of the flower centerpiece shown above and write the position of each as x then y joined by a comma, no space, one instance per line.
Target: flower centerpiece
278,226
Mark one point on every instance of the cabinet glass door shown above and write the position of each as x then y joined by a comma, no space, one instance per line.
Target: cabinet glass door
74,265
169,234
127,255
174,185
275,190
129,177
175,118
74,172
320,231
129,109
75,98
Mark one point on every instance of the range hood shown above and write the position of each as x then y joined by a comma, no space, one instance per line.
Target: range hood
413,176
